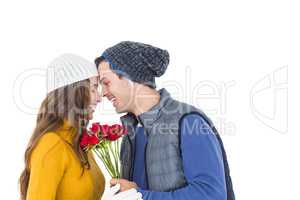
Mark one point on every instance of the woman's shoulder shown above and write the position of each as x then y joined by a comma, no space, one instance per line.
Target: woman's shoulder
49,156
50,139
50,144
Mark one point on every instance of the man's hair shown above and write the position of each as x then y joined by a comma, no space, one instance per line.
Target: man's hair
98,60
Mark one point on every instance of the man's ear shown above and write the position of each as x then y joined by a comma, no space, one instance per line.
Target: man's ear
120,76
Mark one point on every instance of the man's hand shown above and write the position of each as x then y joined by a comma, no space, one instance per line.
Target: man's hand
125,184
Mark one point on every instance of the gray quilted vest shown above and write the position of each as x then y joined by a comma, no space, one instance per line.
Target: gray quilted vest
163,162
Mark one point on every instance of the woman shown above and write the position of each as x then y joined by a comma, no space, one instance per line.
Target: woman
55,165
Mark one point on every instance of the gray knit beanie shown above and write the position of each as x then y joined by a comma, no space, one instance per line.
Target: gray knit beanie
137,61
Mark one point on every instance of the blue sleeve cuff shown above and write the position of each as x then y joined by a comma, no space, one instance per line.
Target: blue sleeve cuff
143,192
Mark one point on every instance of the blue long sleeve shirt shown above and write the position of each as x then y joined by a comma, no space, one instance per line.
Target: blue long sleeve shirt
139,173
202,165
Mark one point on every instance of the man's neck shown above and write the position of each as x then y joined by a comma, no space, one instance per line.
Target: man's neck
145,101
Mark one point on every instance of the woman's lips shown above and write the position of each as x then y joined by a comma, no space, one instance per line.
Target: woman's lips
92,108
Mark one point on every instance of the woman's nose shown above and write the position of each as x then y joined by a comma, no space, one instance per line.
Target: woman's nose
98,97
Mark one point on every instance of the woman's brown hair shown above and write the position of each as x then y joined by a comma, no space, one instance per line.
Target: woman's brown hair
70,103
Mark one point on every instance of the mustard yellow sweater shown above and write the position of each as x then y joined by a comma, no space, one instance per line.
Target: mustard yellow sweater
55,171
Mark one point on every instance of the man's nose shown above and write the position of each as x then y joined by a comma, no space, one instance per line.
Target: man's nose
104,92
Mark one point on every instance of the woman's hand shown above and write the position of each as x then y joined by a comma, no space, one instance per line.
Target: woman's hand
114,194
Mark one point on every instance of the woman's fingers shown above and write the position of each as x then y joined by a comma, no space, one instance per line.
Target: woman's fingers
131,194
115,189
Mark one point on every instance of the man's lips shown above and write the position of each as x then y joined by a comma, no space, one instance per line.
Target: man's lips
112,99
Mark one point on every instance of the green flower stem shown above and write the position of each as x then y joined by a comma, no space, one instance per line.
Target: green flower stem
104,161
111,147
118,157
109,153
107,149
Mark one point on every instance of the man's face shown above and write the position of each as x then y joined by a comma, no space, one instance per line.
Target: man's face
94,94
116,89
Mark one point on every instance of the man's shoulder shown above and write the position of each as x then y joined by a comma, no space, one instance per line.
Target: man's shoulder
180,108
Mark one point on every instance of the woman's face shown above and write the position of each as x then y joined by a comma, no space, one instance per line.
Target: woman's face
94,94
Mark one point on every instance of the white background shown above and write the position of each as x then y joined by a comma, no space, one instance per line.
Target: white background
249,47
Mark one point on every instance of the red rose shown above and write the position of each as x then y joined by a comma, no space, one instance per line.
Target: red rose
104,129
118,129
84,139
115,132
95,128
93,140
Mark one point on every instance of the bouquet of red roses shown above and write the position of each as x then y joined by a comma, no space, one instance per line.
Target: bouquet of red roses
104,140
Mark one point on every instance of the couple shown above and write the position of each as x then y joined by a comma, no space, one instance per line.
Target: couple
172,150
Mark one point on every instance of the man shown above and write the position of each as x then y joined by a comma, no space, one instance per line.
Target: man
172,150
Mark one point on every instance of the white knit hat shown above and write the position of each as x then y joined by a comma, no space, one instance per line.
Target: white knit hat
67,69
